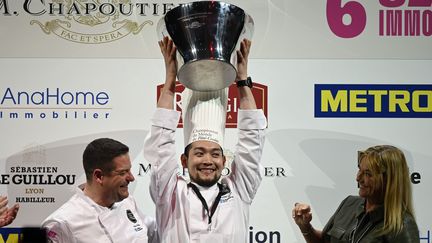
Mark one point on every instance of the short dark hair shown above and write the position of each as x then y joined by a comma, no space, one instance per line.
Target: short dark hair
189,146
187,149
100,153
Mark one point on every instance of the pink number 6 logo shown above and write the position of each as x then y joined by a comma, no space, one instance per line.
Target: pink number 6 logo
336,12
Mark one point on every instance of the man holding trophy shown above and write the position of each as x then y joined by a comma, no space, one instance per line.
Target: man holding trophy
204,208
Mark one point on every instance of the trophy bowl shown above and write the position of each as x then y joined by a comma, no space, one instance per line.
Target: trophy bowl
207,35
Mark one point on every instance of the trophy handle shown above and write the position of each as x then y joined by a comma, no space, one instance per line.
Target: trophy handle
161,29
246,33
248,29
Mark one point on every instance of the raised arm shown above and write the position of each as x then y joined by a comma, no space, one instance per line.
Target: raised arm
159,146
166,99
247,100
246,169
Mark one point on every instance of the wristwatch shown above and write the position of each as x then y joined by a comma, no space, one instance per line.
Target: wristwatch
245,82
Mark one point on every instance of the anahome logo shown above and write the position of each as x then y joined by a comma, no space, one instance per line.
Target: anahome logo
88,21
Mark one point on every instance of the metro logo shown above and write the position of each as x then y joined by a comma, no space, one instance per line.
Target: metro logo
259,92
334,100
10,235
11,238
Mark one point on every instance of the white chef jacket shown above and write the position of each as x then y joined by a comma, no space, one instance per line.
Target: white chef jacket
81,220
179,213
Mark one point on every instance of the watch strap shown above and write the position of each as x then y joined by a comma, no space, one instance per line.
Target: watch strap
245,82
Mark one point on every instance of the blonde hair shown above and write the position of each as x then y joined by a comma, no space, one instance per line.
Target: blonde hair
389,165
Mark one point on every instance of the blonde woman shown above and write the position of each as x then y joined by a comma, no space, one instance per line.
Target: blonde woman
382,212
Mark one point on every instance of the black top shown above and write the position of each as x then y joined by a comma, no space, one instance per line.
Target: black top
351,224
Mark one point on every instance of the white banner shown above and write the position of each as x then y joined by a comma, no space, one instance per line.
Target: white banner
51,108
283,28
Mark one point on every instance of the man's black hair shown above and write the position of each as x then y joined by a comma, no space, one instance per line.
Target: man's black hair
100,153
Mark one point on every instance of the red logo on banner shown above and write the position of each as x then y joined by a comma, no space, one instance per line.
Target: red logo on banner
259,92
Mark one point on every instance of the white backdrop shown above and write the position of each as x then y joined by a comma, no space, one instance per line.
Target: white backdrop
307,158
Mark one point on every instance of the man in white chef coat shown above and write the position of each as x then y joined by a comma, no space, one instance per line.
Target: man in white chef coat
102,210
204,208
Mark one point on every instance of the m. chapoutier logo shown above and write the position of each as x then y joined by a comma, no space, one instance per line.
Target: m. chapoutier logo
89,22
259,91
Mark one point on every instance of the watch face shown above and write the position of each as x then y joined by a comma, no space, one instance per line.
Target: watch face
246,82
249,82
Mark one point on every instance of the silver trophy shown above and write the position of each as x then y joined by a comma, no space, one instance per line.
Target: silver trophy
207,35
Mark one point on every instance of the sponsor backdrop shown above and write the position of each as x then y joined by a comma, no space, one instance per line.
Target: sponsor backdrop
333,77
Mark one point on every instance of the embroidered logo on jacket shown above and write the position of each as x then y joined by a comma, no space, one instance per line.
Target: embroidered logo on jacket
226,193
130,216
